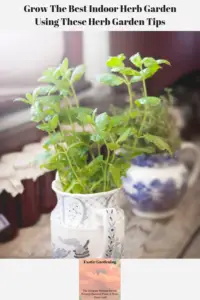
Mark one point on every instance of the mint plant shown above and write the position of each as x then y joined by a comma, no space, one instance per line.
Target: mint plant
89,161
86,161
149,126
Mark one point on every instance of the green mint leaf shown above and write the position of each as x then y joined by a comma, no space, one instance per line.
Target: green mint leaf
36,112
134,114
130,72
124,135
77,73
84,118
68,73
110,79
148,100
121,56
157,141
94,114
96,137
62,85
136,60
117,69
53,140
140,150
44,127
126,71
117,120
49,71
53,123
149,61
52,90
44,90
114,62
135,79
113,146
22,100
50,101
47,75
57,73
29,97
64,66
150,71
93,166
101,121
64,93
163,61
116,175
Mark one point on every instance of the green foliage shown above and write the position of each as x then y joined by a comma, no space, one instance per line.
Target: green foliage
86,161
149,127
89,161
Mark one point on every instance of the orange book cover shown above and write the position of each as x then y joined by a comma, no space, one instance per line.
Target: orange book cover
99,279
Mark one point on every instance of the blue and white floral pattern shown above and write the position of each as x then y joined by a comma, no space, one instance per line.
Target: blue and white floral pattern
157,196
154,193
155,160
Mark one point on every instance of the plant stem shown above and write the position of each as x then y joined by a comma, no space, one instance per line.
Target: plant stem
76,100
144,87
70,120
113,156
130,96
74,95
68,158
129,91
99,150
107,163
67,102
106,167
145,113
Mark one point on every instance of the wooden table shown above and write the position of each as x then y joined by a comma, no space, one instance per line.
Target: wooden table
177,237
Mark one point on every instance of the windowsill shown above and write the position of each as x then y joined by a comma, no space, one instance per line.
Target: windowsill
7,106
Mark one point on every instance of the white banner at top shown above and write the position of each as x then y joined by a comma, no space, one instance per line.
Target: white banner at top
83,15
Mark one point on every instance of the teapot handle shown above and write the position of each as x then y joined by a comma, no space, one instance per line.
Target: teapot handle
196,166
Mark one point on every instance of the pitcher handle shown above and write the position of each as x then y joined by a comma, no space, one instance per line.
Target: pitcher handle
108,216
196,166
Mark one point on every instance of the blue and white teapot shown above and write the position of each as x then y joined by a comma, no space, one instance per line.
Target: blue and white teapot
155,184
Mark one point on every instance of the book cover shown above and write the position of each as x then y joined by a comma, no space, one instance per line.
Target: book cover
99,279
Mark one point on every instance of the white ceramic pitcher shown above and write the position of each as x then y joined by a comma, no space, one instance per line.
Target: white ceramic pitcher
155,184
87,225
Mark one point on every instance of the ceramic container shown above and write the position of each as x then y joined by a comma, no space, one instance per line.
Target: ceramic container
87,225
155,184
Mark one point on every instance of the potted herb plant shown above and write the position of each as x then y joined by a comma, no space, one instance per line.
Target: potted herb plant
156,180
86,221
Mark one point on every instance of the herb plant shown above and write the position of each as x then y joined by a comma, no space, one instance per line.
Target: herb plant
86,161
149,125
89,161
